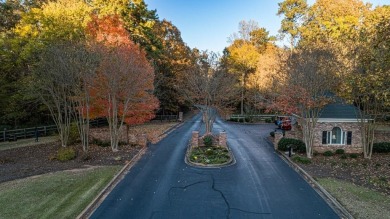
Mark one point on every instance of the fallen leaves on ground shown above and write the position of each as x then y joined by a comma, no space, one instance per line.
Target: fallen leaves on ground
34,160
373,173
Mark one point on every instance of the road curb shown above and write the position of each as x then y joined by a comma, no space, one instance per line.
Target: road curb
90,209
332,201
168,131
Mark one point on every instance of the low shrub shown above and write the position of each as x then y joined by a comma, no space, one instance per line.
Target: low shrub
239,119
340,151
302,160
208,140
343,156
272,134
297,145
209,152
65,154
74,136
381,147
353,155
328,153
315,153
268,120
233,119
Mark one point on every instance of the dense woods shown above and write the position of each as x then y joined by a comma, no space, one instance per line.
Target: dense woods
343,39
75,60
30,29
335,46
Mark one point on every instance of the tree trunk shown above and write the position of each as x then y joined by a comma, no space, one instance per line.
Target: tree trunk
242,101
308,135
368,130
243,92
127,134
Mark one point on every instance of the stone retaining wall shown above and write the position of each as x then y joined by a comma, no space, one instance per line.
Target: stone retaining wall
220,140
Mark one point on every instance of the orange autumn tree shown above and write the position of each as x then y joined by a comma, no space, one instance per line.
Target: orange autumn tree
123,91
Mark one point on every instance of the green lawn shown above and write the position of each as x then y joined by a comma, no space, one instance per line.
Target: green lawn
58,195
359,201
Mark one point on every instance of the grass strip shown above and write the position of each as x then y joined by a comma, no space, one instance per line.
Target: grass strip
56,195
359,201
27,142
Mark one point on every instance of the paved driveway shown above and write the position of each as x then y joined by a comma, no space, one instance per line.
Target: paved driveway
259,185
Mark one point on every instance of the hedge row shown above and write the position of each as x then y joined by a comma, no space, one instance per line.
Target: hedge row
381,147
239,119
296,144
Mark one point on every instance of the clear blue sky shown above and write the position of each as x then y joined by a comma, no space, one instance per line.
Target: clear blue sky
207,24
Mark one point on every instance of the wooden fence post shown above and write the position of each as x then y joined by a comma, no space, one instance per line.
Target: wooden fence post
44,128
180,116
4,135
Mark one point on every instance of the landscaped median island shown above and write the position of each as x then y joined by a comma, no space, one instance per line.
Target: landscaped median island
210,155
209,151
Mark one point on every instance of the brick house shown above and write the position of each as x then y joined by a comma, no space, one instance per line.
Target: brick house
337,128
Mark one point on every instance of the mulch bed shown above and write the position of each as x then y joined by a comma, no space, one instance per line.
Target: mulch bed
39,159
373,173
35,160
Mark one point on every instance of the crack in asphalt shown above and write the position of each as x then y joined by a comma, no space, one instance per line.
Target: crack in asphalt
153,213
183,188
229,208
251,212
222,195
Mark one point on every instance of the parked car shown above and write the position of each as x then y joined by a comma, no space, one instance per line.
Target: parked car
283,122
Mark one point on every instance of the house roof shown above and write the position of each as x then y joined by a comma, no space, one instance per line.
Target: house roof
339,111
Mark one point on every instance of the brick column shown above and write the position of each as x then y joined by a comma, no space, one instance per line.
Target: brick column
278,136
222,139
195,139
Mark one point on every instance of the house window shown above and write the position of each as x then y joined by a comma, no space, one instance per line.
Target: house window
337,137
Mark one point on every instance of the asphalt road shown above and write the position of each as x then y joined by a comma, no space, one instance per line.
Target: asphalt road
259,185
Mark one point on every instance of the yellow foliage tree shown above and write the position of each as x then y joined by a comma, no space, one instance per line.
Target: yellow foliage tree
269,77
